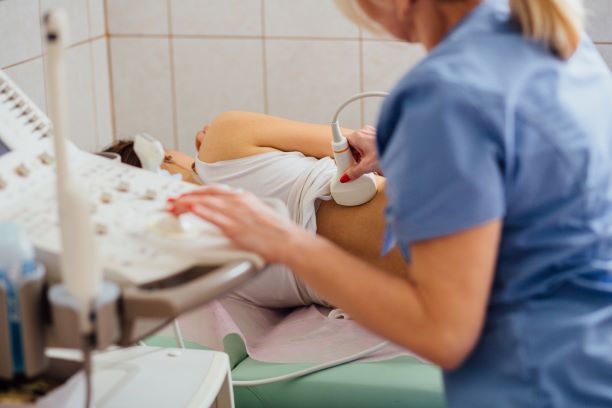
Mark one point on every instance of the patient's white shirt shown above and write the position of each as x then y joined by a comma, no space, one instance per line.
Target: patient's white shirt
300,182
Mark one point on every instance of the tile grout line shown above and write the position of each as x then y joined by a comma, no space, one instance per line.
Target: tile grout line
93,81
264,58
42,55
110,71
246,37
16,64
361,78
175,136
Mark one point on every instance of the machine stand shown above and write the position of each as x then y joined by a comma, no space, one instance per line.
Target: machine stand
66,330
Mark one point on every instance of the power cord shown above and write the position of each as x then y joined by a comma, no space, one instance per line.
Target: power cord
178,335
86,347
311,370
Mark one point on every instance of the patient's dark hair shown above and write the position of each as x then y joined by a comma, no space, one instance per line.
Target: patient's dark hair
125,149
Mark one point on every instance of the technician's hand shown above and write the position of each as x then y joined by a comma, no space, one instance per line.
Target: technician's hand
248,222
363,146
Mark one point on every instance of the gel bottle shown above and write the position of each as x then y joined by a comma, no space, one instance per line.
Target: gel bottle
16,264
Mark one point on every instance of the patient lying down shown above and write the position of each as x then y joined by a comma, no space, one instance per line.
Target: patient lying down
270,156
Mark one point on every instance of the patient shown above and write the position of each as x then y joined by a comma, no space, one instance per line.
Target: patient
266,155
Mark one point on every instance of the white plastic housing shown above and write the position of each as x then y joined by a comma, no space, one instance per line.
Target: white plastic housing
81,267
150,152
354,192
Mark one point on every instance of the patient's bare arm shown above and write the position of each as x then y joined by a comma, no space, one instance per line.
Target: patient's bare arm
234,135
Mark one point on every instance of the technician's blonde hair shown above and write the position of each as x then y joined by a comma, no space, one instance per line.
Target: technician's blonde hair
556,23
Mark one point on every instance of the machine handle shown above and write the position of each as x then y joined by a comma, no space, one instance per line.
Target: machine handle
159,306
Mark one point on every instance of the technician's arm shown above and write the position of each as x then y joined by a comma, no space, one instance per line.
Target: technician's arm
438,314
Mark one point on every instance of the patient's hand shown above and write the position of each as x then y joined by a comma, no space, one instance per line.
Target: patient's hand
200,137
247,221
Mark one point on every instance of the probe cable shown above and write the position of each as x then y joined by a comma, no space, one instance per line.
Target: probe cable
311,370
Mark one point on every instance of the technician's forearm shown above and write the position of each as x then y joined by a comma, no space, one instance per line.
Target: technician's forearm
387,305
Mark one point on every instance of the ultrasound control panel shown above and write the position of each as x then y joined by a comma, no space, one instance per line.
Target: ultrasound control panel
125,203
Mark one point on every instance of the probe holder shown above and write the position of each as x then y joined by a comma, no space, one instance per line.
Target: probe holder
65,316
31,317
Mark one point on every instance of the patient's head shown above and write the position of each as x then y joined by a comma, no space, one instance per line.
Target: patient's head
125,149
174,162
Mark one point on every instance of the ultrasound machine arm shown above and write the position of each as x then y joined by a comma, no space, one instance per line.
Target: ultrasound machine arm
150,278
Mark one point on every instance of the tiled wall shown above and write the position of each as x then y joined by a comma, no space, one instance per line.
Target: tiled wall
21,56
176,64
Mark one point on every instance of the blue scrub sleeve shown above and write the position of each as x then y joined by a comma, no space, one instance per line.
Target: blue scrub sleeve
443,163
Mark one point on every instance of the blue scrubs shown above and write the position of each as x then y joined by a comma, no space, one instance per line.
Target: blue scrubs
493,126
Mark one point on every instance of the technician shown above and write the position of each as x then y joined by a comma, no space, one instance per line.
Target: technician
497,150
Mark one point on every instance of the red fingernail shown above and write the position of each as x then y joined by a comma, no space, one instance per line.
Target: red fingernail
190,206
172,199
345,178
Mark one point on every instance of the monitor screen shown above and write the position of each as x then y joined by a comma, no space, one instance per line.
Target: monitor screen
3,148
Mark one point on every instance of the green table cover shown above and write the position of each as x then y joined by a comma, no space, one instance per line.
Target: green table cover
400,382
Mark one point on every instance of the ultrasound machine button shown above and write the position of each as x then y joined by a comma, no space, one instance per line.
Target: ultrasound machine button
22,170
123,186
150,194
46,158
106,198
101,229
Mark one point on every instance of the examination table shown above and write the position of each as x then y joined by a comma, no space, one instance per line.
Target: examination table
400,382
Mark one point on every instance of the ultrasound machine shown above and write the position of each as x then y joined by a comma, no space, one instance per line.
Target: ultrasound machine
147,277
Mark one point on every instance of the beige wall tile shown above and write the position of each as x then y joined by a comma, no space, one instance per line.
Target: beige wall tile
384,63
309,79
138,16
102,92
97,17
307,18
213,76
599,19
81,105
142,88
216,17
19,31
30,77
78,16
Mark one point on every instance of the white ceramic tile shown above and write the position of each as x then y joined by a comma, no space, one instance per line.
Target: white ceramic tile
377,36
309,79
216,17
384,63
30,77
606,53
78,16
142,88
19,31
307,18
81,105
97,18
599,19
212,76
102,92
138,16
